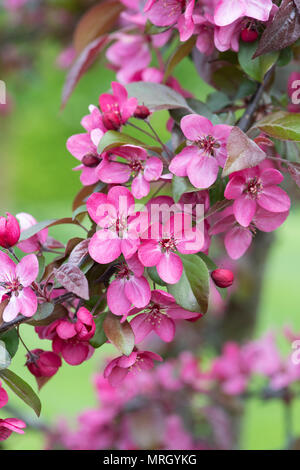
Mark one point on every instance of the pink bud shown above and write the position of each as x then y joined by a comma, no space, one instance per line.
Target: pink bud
141,112
222,277
90,160
249,35
111,121
43,363
9,231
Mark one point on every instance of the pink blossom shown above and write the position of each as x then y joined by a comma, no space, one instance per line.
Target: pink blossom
228,11
143,168
129,54
13,5
9,425
200,161
37,242
3,396
159,316
84,146
66,57
231,370
9,231
116,108
129,288
262,356
137,361
253,188
43,363
239,238
163,242
114,213
173,12
15,281
70,336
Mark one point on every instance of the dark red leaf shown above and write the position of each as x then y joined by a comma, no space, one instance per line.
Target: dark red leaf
283,31
81,65
73,279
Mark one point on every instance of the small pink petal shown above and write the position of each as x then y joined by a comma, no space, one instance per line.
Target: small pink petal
244,209
170,268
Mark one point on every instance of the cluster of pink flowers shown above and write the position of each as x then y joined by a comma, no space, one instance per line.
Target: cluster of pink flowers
153,413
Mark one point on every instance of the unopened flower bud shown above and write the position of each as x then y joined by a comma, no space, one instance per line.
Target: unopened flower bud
90,160
249,35
43,363
9,231
111,121
222,277
141,112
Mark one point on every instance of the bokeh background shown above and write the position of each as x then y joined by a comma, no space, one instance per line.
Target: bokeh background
37,177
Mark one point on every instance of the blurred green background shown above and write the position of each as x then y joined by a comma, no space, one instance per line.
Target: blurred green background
37,177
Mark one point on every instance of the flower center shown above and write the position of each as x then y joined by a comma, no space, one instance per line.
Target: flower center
123,272
208,144
254,188
168,244
136,166
13,286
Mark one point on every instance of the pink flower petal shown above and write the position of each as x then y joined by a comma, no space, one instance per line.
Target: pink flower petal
274,199
268,221
170,268
203,171
149,253
117,300
140,187
7,268
12,309
105,246
244,209
114,172
237,242
153,169
75,354
27,302
194,126
138,291
180,162
142,326
271,177
165,328
27,270
235,187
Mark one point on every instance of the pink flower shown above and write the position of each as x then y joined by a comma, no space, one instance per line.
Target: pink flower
15,281
3,396
253,188
13,5
114,213
164,241
43,363
70,339
119,368
116,108
231,370
159,316
9,231
84,146
227,11
238,238
173,12
129,54
143,168
129,288
200,161
9,425
66,57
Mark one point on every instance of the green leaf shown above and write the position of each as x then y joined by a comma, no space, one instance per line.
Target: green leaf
198,277
183,294
217,101
99,337
180,186
22,390
255,68
281,125
11,340
153,274
43,311
156,96
42,263
178,55
5,358
79,210
120,334
29,232
211,265
151,29
112,139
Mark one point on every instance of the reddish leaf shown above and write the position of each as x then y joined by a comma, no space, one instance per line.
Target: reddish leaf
242,152
73,279
96,22
79,252
82,195
29,232
283,31
120,334
297,3
81,65
294,171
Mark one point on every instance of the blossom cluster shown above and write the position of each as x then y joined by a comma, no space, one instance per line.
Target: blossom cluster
155,412
8,425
